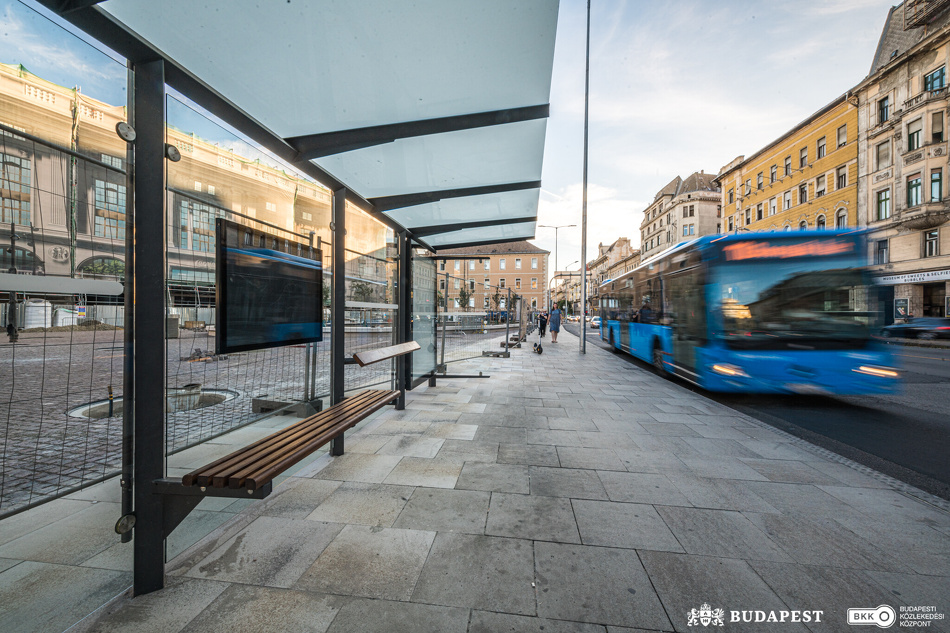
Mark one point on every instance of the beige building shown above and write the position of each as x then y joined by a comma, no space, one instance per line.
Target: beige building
607,257
488,271
680,211
903,162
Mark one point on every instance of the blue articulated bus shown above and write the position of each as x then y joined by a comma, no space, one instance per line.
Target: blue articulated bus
790,312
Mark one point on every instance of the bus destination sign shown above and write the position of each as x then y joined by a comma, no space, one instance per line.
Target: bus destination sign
739,251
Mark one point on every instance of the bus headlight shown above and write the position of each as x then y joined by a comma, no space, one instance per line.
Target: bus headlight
724,369
880,372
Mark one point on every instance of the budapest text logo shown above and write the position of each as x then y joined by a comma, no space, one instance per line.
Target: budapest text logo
882,617
705,615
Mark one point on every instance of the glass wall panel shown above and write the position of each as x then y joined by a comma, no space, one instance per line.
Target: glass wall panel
62,254
423,313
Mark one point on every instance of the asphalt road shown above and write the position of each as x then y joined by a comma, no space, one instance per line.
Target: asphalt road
906,435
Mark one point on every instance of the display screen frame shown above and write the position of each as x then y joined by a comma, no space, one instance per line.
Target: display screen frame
291,261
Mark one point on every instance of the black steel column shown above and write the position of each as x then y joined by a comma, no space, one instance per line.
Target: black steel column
337,307
403,319
149,323
128,323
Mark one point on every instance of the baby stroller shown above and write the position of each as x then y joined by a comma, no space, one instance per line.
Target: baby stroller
536,347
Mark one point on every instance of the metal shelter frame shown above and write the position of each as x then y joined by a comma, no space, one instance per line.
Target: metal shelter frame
155,505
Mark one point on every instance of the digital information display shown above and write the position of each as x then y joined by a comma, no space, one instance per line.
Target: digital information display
269,290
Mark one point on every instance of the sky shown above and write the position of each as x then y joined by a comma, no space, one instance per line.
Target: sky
683,86
675,87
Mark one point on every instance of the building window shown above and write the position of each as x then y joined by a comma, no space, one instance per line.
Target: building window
936,185
802,193
773,206
883,110
685,210
501,283
787,200
880,252
471,285
883,204
534,283
803,157
748,186
308,217
692,229
931,240
758,211
210,190
802,226
692,210
442,285
883,155
913,134
110,210
841,221
936,80
487,283
936,127
114,161
773,174
685,231
718,210
485,304
732,196
842,136
16,178
758,180
534,304
501,263
787,227
197,186
729,222
518,263
819,186
442,265
788,165
821,147
913,191
518,283
748,216
487,263
457,283
534,263
842,178
820,223
471,264
458,265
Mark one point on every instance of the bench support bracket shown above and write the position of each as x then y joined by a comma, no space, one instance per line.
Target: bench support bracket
178,501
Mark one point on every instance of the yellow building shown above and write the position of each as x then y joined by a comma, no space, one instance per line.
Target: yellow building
805,179
488,271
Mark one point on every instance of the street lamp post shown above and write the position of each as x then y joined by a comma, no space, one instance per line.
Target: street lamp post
551,226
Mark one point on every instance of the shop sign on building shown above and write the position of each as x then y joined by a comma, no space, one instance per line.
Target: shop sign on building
913,278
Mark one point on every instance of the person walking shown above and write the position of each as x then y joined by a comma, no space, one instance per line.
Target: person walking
555,323
542,323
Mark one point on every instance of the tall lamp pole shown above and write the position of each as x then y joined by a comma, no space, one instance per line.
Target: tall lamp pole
584,203
551,226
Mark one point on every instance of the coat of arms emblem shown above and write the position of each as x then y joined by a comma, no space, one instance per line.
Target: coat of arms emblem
706,615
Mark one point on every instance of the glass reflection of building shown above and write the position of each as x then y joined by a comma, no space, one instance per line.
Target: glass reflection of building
77,208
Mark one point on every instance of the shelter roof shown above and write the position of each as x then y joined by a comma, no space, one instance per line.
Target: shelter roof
507,248
431,115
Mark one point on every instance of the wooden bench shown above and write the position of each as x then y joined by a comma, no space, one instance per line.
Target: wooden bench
254,466
249,472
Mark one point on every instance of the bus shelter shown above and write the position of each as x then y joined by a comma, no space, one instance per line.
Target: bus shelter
427,117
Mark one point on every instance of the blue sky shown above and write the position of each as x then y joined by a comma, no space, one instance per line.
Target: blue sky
675,87
680,86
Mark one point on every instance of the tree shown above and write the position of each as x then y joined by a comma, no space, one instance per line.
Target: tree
361,291
496,299
464,295
440,298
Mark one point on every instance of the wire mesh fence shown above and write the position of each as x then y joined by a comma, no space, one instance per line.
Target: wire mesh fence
474,317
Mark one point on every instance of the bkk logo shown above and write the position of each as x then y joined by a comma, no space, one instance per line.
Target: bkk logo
707,616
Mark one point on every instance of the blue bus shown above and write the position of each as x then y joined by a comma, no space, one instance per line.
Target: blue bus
790,312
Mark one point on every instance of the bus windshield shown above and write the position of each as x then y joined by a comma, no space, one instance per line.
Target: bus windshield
795,304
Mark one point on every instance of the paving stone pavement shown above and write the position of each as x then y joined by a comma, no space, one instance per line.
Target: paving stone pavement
563,493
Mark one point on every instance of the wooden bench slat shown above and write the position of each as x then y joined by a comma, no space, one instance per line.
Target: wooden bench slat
202,475
287,437
371,356
255,480
302,445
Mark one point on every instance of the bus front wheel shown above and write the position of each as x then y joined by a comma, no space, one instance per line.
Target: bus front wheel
658,362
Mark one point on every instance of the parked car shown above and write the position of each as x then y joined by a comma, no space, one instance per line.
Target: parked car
923,327
595,322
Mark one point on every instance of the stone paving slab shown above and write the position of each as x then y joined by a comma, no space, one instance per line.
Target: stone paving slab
563,493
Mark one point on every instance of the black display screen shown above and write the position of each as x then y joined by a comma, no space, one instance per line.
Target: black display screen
269,290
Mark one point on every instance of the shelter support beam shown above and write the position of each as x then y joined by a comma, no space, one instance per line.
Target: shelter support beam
388,203
337,309
313,146
404,318
149,384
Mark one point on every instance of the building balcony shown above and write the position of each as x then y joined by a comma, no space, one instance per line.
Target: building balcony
922,217
923,98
